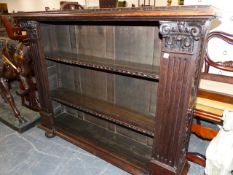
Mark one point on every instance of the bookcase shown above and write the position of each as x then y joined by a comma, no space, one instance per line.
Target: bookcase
120,83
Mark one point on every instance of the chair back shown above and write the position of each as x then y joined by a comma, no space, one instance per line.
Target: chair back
222,65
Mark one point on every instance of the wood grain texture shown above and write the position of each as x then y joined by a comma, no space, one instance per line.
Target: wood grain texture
108,65
121,14
216,77
225,98
105,86
196,158
205,115
175,85
41,74
179,75
130,155
136,95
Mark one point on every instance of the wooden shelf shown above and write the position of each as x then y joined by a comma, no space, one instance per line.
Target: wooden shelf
109,65
122,116
104,143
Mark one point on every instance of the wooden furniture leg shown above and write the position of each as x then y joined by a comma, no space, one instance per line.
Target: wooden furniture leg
204,132
196,158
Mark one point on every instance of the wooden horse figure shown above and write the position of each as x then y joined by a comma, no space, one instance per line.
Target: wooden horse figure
11,68
16,64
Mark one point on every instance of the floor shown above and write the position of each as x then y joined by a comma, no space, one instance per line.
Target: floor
6,115
31,153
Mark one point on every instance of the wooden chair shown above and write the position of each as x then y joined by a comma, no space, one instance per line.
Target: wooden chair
211,104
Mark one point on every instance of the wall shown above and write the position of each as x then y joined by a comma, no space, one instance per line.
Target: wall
39,5
30,5
224,50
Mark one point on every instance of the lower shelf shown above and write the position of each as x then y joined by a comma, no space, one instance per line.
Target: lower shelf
108,111
114,148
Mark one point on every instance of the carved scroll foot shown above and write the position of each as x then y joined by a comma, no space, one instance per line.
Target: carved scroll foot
50,134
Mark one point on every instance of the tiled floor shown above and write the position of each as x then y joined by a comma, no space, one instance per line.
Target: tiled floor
31,153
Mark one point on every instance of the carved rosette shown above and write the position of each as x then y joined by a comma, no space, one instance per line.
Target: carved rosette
180,36
31,28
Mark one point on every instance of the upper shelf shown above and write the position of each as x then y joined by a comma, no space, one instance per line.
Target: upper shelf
123,14
118,66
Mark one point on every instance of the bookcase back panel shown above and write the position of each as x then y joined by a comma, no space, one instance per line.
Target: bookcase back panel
116,89
138,44
110,42
132,44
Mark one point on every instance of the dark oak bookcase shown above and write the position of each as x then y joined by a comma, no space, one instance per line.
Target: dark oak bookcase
120,83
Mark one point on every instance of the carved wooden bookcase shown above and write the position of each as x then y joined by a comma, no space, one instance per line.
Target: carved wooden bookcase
121,83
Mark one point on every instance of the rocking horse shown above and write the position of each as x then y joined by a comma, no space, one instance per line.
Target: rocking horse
17,64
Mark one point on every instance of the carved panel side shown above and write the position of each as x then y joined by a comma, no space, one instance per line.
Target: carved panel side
173,100
39,66
179,69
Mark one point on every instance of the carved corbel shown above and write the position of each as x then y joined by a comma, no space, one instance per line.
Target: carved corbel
31,28
180,36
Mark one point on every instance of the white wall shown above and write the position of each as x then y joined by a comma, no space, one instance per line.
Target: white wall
224,9
39,5
217,48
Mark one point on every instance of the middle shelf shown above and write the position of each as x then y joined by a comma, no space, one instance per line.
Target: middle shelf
118,66
105,110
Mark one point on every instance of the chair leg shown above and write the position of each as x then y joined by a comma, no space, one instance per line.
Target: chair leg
196,158
198,121
204,132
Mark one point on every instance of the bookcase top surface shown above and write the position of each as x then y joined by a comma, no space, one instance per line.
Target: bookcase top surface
121,14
